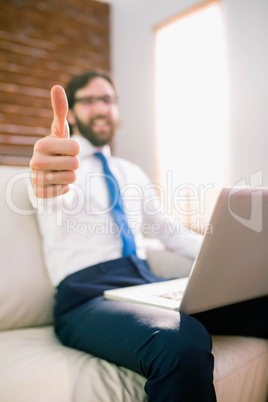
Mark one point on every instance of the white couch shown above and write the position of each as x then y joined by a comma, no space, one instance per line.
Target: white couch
35,367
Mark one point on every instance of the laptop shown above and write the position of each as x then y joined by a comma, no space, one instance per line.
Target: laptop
231,266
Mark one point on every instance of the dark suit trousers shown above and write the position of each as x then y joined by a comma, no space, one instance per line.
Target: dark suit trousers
172,350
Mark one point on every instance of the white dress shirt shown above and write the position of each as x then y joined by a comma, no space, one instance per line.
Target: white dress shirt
78,229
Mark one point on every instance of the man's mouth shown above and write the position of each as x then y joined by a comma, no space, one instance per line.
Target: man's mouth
100,124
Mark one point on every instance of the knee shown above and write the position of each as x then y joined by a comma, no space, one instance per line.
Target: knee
193,334
182,360
194,343
184,340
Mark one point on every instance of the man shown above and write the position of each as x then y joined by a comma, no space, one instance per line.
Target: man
87,250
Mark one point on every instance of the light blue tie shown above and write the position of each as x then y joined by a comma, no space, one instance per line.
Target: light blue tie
129,246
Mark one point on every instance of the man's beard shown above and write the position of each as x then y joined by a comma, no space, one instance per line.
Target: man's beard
99,138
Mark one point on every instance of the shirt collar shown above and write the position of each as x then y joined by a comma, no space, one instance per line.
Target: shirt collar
87,149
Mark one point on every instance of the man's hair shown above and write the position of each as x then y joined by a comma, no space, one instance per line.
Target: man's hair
81,80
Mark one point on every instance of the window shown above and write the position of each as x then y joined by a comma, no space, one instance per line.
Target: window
191,112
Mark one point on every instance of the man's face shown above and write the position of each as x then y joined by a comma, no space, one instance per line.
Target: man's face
95,112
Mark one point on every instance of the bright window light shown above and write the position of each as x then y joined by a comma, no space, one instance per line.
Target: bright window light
191,111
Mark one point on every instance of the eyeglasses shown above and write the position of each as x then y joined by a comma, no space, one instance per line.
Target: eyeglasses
92,100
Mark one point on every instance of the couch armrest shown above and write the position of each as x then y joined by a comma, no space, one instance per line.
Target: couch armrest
167,263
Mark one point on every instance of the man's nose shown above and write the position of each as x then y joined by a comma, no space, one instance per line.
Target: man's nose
100,106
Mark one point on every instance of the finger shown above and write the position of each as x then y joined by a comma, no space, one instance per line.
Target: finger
55,163
59,127
42,179
56,146
66,146
51,191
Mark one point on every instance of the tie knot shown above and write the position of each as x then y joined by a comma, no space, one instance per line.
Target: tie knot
104,162
99,155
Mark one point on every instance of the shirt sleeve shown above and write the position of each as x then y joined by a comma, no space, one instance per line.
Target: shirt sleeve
158,223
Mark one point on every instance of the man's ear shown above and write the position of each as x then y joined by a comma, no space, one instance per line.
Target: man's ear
70,117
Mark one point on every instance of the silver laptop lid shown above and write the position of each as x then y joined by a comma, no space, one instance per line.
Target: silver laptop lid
232,264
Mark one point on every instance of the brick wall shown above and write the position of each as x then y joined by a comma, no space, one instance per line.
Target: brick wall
43,43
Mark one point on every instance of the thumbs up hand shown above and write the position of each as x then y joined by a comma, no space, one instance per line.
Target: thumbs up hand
54,159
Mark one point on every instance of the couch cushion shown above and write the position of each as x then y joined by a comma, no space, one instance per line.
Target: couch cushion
26,296
241,368
34,367
33,357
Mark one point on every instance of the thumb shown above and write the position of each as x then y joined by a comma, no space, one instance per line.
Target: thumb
59,127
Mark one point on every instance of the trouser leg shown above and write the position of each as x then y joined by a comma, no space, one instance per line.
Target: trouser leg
172,350
247,318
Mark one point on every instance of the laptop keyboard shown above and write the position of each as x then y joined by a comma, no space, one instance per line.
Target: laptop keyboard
177,295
